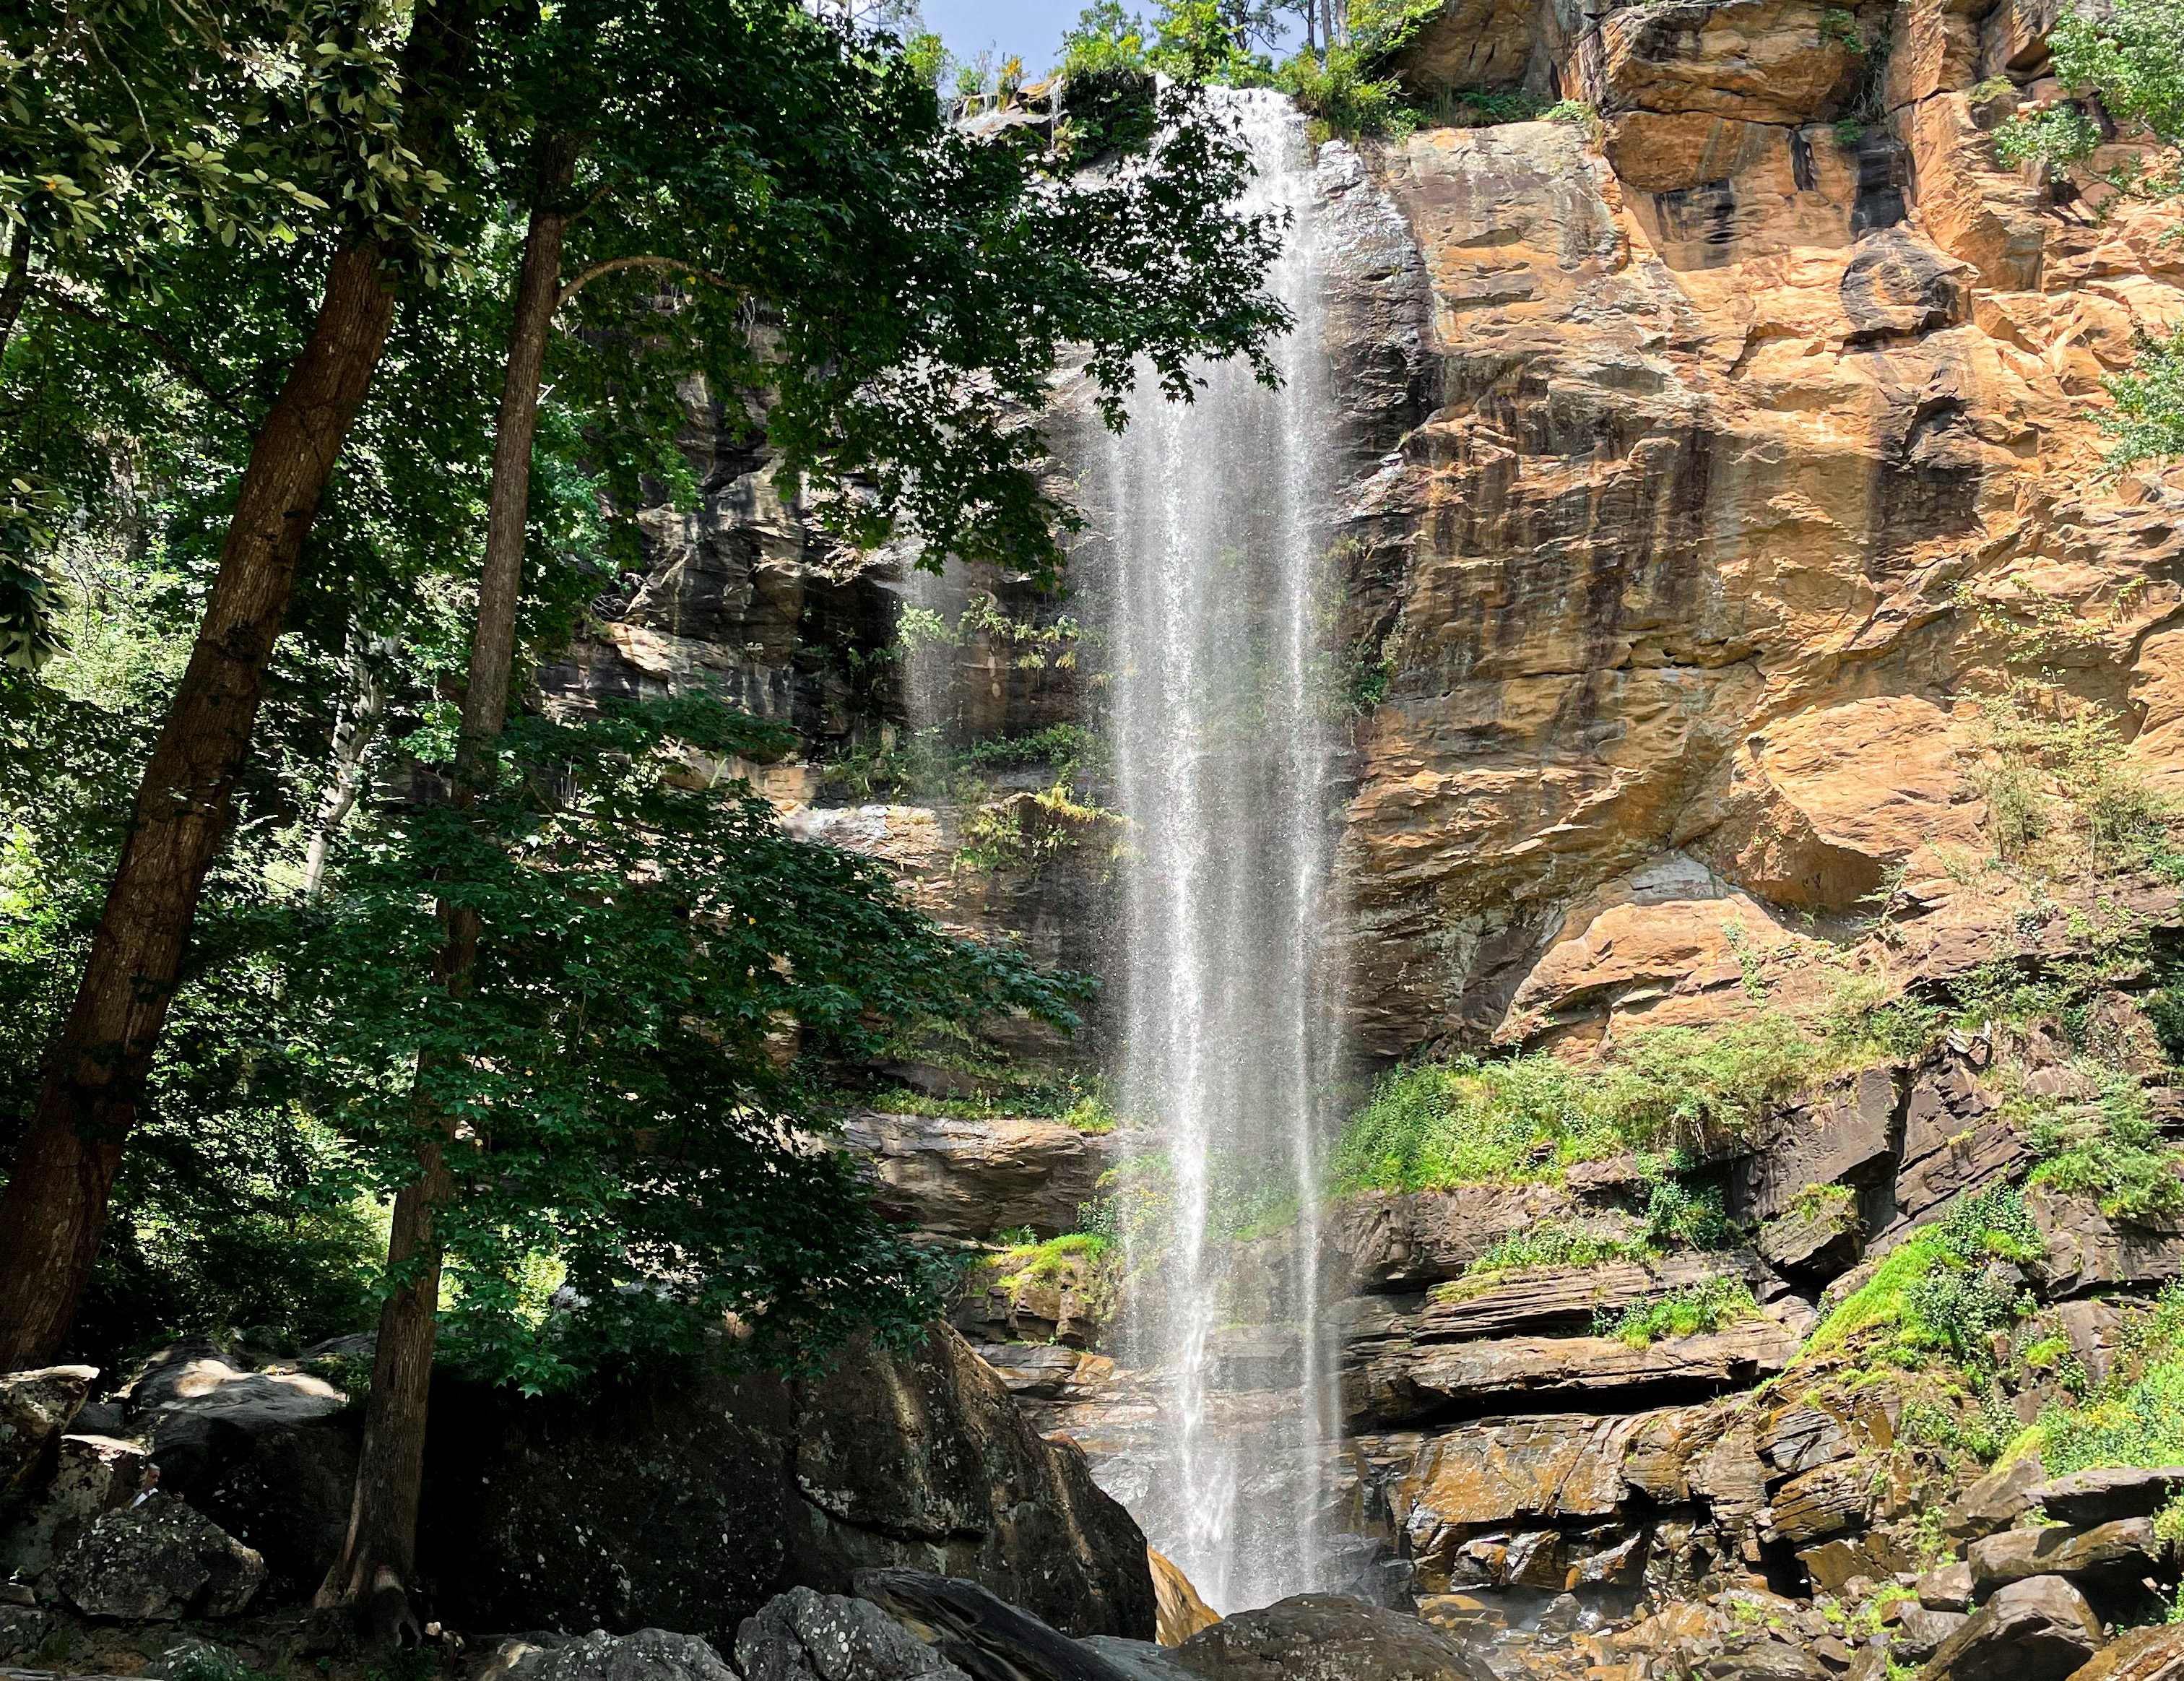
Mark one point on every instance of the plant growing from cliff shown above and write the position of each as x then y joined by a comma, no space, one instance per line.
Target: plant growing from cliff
2137,1416
1711,1306
1931,1292
2107,1147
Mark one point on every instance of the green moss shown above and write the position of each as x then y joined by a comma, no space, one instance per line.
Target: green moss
1930,1293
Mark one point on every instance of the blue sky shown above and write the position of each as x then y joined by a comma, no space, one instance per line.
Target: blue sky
1031,29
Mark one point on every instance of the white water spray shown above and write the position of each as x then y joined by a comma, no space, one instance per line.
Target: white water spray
1224,768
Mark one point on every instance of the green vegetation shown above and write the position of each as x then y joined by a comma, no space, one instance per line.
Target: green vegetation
1708,1306
1529,1118
2136,1418
1077,1102
1547,1242
1932,1293
2106,1147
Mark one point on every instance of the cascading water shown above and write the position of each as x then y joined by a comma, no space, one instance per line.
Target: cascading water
1224,770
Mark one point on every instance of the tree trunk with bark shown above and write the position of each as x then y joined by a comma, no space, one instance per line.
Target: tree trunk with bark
374,1567
54,1210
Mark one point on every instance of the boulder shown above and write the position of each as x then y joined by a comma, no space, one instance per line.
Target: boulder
2102,1496
691,1501
1947,1588
267,1450
1765,1659
159,1561
643,1655
2126,1548
1996,1501
35,1407
92,1474
802,1636
1135,1660
22,1632
964,1624
2156,1654
2039,1629
1920,1631
1327,1637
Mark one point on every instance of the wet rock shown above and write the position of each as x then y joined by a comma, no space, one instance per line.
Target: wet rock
2126,1548
1996,1500
804,1636
1328,1637
1181,1613
1135,1660
648,1654
1919,1631
692,1502
1947,1588
964,1624
2039,1629
2102,1496
159,1561
36,1408
970,1179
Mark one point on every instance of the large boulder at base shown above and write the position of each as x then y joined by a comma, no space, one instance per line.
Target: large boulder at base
2128,1548
91,1474
1136,1660
2039,1629
1996,1500
35,1408
646,1655
690,1501
266,1449
969,1627
2104,1496
22,1632
159,1561
802,1636
2156,1654
1327,1637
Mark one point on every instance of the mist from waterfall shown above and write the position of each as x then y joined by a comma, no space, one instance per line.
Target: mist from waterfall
1223,769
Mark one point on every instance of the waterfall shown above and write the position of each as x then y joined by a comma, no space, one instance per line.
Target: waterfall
1224,768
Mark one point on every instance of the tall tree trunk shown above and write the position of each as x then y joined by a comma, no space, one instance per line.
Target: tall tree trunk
17,286
379,1552
54,1211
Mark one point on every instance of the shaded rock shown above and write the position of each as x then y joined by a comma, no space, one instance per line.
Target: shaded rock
1799,1437
1818,1239
1996,1500
2102,1496
964,1623
1327,1637
2156,1654
802,1636
1181,1612
2039,1629
198,1658
645,1655
1947,1588
267,1453
1919,1630
973,1178
1768,1659
1844,1137
694,1502
2085,1250
2127,1547
91,1474
22,1631
1135,1660
158,1561
1440,1378
1405,1239
36,1408
1955,1139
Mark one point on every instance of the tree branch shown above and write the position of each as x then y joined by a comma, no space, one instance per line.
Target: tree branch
614,266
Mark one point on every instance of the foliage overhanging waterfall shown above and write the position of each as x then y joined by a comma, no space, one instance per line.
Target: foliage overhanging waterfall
1225,771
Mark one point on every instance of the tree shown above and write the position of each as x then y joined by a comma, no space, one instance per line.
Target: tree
349,103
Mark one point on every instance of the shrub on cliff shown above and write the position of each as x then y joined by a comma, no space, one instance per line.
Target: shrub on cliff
1935,1292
